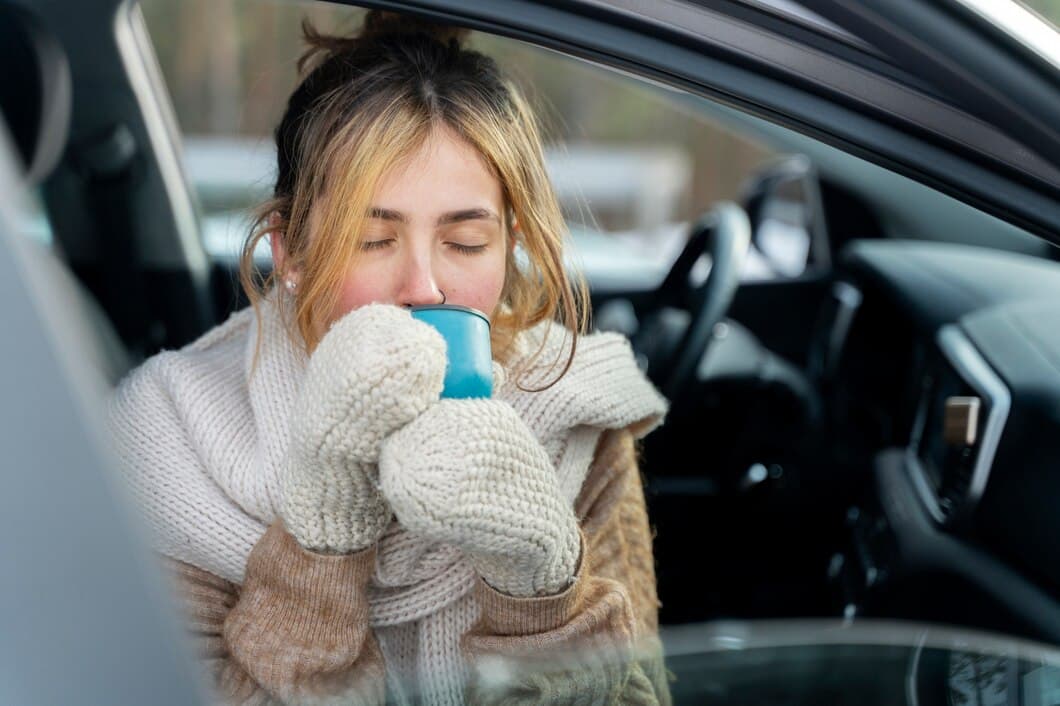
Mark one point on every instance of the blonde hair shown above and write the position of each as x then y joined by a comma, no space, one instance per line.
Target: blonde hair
365,104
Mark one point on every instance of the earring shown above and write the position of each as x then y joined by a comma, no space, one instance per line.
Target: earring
290,284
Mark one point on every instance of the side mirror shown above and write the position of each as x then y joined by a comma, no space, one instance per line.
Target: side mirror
788,228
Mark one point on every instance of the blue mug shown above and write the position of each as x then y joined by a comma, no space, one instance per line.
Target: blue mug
469,369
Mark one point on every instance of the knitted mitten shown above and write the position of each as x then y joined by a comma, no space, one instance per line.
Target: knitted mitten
471,473
375,370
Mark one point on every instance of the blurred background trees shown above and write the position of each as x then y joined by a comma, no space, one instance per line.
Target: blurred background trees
230,64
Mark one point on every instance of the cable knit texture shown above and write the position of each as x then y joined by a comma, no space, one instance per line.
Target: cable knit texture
471,473
374,371
205,448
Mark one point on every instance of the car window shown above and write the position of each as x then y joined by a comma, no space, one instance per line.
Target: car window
632,164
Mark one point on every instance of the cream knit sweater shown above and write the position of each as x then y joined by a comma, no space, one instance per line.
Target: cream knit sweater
203,440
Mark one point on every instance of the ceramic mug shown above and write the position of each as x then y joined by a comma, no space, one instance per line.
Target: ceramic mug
469,369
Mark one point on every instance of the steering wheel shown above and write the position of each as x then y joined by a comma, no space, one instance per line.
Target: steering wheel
675,335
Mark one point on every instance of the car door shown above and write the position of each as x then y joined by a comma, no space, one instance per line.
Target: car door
85,619
984,56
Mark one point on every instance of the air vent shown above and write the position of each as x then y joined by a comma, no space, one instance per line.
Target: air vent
958,427
956,481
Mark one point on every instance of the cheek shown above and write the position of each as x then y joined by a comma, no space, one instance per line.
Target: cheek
359,288
479,287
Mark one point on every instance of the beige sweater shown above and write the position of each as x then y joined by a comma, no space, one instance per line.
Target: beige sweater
203,443
297,629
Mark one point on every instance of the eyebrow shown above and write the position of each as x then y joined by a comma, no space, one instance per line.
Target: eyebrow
467,214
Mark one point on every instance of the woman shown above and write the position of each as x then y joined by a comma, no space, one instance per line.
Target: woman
338,533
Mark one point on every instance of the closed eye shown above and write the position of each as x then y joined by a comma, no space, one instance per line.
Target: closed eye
468,249
376,244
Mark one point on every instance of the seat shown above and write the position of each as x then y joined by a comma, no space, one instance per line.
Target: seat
35,102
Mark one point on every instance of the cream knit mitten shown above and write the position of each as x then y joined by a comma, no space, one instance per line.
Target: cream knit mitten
375,370
471,473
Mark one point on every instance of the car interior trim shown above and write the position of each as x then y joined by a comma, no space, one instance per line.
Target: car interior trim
976,372
982,76
1021,25
923,547
851,82
22,31
846,298
135,50
911,675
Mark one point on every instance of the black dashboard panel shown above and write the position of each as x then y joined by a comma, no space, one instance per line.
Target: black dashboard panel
938,283
983,325
1019,512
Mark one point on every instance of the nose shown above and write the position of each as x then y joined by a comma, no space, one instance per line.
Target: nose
418,284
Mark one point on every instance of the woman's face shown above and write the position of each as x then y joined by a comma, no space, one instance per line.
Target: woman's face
435,225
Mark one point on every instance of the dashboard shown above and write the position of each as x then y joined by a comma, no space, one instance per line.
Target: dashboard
958,424
944,360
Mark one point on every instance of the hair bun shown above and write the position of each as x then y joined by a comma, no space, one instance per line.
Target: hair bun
378,23
377,26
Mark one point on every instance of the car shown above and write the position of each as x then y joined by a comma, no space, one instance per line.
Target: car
854,491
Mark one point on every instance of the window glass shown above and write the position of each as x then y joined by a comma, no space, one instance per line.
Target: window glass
632,164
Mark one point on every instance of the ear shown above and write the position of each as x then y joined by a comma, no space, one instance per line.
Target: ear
279,253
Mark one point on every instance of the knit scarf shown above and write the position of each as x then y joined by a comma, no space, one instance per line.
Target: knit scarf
420,598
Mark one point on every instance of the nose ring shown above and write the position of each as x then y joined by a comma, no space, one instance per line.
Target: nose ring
443,296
